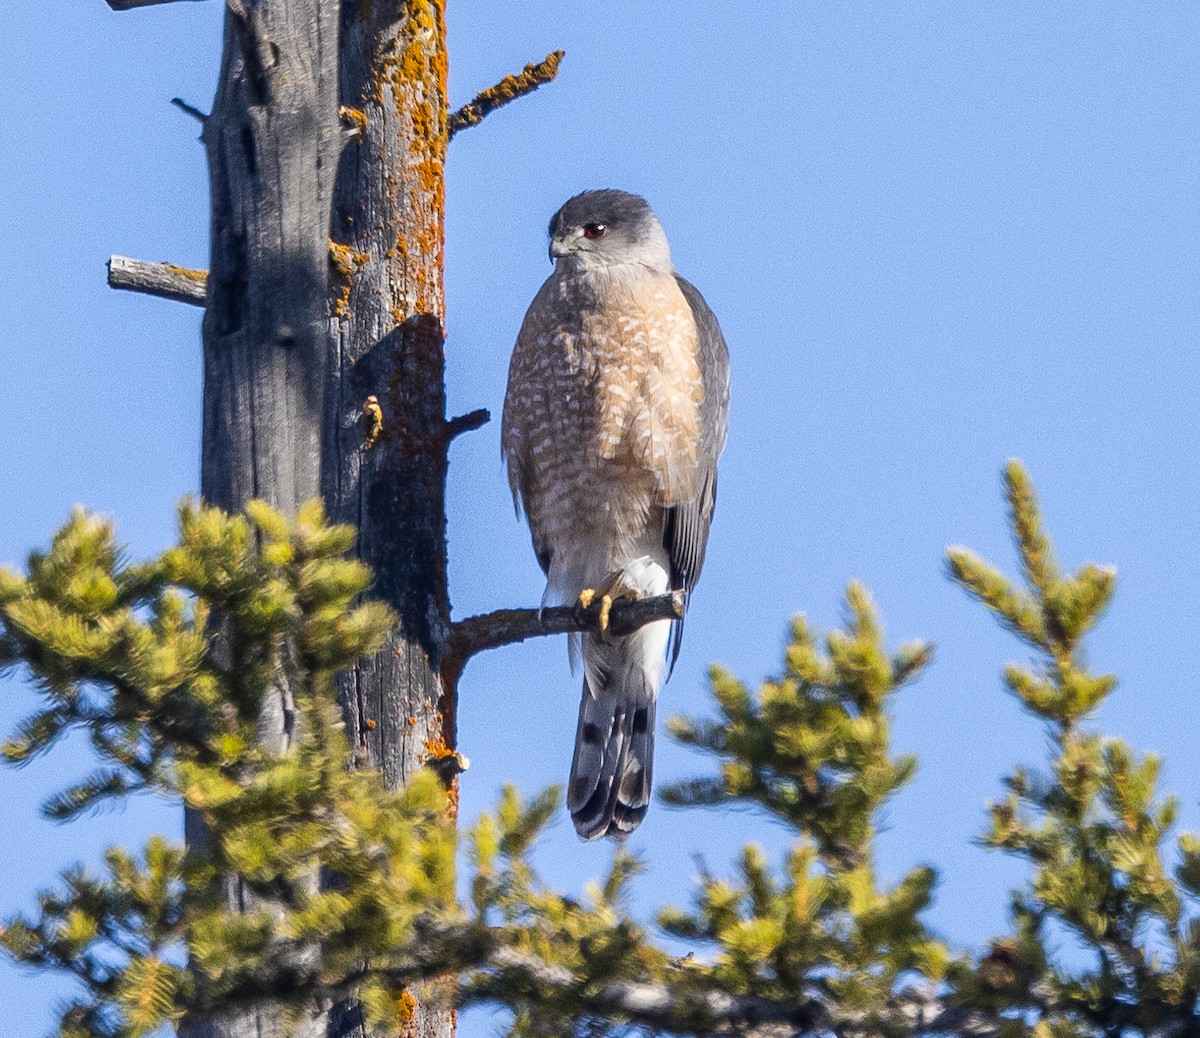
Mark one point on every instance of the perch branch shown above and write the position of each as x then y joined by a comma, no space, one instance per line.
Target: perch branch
165,280
507,626
508,89
129,5
468,422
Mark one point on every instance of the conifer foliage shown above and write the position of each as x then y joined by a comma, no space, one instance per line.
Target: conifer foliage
165,667
1092,826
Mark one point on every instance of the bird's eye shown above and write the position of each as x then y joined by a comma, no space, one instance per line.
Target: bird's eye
594,230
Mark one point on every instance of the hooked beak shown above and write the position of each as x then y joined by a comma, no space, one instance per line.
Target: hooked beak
559,248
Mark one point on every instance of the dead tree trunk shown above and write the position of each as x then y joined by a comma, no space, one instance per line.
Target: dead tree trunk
273,142
323,355
386,434
314,307
386,460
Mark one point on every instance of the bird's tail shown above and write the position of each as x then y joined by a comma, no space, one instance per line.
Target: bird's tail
611,770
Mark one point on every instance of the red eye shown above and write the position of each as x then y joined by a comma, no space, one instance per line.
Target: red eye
594,230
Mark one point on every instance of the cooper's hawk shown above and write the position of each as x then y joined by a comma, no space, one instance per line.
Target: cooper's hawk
615,415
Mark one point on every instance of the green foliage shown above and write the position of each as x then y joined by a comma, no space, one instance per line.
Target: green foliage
1093,827
552,954
811,748
166,667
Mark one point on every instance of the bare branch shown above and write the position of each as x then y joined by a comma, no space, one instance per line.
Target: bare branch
653,1006
512,975
468,422
129,5
165,280
508,89
508,626
188,109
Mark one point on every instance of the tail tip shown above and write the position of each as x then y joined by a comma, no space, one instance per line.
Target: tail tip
618,824
606,814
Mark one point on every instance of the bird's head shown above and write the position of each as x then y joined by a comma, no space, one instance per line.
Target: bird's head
609,228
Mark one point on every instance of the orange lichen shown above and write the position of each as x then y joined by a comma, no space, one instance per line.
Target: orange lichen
508,89
451,763
373,415
406,1007
436,750
354,117
187,272
408,87
347,262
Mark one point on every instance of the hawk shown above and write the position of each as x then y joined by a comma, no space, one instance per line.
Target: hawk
614,418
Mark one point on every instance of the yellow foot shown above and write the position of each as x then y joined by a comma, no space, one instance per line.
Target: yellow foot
608,592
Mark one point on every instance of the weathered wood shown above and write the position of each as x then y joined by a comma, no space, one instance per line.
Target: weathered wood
387,230
273,141
190,109
165,280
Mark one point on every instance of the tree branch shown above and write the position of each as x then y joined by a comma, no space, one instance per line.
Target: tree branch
508,89
468,422
507,626
188,109
653,1006
659,1007
492,971
165,280
129,5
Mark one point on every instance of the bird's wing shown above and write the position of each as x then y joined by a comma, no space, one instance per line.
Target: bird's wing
514,446
685,529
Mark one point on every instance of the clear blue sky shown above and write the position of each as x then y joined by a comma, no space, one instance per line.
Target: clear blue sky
936,235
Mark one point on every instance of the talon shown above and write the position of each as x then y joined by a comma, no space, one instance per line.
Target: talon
605,609
612,589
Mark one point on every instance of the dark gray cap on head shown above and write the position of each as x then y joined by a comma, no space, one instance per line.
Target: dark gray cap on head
607,228
607,206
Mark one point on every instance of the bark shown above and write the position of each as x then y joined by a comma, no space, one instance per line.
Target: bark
273,141
386,462
387,298
129,5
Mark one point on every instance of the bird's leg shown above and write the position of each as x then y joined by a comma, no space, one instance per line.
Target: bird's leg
613,588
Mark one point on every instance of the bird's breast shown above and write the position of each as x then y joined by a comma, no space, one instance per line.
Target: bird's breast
604,401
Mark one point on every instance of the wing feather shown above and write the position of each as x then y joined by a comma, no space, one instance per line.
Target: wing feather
685,526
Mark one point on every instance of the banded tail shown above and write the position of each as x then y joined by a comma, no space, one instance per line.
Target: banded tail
611,771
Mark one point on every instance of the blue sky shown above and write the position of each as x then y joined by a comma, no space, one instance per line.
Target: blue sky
937,235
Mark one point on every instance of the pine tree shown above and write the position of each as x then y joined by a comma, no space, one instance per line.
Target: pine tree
1092,825
163,665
